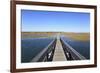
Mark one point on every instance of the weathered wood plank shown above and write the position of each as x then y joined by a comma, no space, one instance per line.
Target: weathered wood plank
59,52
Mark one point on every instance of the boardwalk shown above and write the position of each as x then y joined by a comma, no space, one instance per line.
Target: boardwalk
59,52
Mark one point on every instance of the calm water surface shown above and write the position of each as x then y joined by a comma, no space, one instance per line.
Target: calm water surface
31,47
83,47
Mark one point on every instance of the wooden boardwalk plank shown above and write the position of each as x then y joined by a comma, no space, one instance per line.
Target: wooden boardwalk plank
59,52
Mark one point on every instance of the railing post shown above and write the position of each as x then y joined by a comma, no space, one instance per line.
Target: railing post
67,53
51,53
71,54
47,53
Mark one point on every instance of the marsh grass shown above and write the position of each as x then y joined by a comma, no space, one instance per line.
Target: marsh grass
74,36
78,36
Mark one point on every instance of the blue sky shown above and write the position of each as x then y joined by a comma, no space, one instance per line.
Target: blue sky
52,21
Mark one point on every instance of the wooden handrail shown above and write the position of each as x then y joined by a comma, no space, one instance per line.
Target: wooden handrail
44,52
71,51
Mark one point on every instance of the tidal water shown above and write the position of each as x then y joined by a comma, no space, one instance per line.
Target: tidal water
32,46
83,47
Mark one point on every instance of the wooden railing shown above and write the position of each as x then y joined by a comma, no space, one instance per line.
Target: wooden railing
46,54
71,53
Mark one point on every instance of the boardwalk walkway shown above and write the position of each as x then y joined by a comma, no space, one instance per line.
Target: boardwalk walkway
59,52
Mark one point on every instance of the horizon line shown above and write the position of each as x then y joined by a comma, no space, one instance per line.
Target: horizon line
55,31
